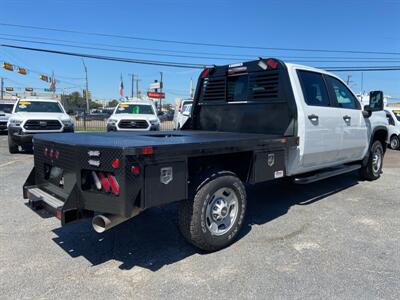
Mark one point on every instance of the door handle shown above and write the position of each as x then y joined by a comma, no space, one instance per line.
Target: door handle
313,118
347,118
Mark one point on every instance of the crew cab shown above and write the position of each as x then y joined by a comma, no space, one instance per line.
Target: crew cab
32,116
5,113
251,122
134,116
393,116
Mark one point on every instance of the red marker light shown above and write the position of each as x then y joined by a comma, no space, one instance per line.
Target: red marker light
272,63
115,163
51,153
147,150
205,73
57,154
45,151
58,214
135,170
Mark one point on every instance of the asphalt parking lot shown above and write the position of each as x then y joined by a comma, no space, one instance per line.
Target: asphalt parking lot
339,238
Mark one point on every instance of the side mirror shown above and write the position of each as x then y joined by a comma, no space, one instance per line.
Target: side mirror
375,103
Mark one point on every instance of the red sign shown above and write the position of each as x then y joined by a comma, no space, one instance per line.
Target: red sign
156,95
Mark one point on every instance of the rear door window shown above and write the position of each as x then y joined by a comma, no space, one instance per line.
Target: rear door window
341,93
314,88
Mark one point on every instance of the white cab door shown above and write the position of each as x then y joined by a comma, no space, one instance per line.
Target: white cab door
322,123
353,124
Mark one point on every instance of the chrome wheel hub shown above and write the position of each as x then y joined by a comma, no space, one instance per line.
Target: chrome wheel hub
377,161
221,211
394,143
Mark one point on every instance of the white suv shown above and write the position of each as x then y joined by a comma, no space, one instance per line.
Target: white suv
31,116
393,116
134,116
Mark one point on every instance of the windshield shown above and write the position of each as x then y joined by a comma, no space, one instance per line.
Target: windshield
397,114
38,106
135,109
7,108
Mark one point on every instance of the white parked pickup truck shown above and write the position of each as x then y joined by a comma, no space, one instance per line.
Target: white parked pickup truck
32,116
251,122
134,116
393,116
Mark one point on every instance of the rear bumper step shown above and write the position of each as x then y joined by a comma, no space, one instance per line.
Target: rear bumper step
38,198
326,174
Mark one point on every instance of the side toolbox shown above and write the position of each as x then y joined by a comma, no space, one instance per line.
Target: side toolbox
268,165
165,183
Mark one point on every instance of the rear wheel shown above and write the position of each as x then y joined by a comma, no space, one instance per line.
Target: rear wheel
395,142
12,146
373,169
212,219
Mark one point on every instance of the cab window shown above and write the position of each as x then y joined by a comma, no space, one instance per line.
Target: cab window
344,98
314,88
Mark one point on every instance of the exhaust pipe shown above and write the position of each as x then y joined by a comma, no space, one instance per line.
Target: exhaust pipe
104,222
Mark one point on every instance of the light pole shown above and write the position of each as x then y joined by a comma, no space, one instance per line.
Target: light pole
87,86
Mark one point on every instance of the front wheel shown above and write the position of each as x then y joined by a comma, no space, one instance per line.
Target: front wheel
373,169
12,147
212,219
395,142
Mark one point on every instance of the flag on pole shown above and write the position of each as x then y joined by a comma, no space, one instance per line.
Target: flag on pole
52,87
121,88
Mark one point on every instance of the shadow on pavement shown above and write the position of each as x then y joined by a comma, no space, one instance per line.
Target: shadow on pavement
152,239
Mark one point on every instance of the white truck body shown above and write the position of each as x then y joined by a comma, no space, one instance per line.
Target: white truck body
331,140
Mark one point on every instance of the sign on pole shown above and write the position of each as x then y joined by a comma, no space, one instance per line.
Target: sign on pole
155,85
156,95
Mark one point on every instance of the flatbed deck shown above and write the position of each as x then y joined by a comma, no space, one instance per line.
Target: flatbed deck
165,141
156,138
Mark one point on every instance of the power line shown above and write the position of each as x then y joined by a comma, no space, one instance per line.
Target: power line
120,51
196,57
184,65
224,55
196,43
111,58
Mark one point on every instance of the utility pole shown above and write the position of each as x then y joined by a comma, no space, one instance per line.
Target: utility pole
133,83
348,79
2,88
362,82
161,86
87,87
137,86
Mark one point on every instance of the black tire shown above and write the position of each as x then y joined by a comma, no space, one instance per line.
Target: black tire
373,168
395,142
12,147
193,221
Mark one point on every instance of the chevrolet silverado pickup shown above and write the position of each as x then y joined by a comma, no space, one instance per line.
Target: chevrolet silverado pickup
250,122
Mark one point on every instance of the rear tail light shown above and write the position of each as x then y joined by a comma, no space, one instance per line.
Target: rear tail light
114,184
104,182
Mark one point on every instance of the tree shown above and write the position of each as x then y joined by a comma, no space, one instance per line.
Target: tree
113,103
